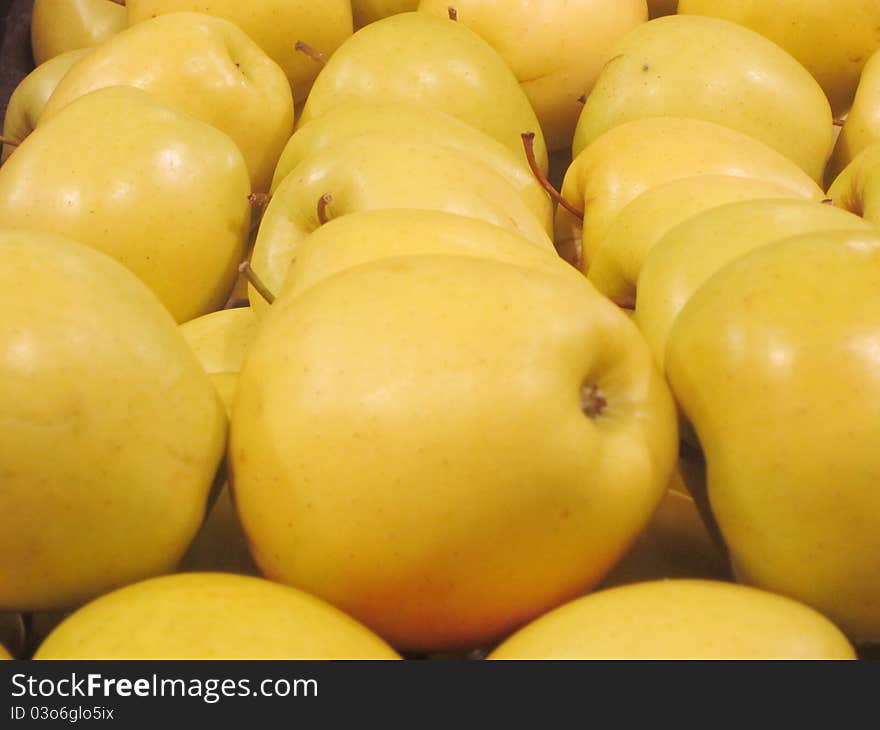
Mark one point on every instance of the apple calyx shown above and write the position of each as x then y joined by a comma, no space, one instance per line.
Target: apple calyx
593,403
311,52
325,200
453,13
255,281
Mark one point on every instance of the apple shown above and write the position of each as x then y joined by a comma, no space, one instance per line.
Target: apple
163,193
494,466
210,70
434,62
555,49
59,26
857,188
95,374
679,619
690,253
369,11
633,157
374,171
615,268
862,126
274,25
833,40
30,96
774,362
210,616
718,71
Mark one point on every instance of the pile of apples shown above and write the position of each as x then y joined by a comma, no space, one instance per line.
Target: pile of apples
304,356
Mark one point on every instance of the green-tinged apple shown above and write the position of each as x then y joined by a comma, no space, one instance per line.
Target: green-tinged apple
711,69
211,616
679,619
369,11
774,361
555,49
58,26
369,172
857,188
358,119
208,69
274,25
833,40
435,62
862,126
29,98
633,157
163,193
94,373
690,253
615,268
494,466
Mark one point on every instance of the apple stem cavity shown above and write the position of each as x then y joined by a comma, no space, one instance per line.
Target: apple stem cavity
255,281
323,202
593,403
311,52
453,13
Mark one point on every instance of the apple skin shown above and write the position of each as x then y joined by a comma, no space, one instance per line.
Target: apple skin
135,429
212,71
679,619
432,406
274,25
833,40
441,64
163,193
369,11
555,49
210,616
59,26
857,188
862,126
711,69
29,98
774,361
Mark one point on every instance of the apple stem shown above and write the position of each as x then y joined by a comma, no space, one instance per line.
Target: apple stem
311,52
838,122
528,139
255,281
323,202
582,99
453,13
9,141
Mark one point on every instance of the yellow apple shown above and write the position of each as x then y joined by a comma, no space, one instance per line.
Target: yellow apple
679,619
615,268
438,63
369,11
208,69
857,188
555,49
274,25
378,171
690,253
58,26
833,40
862,126
774,361
711,69
30,96
163,193
211,616
494,466
111,431
633,157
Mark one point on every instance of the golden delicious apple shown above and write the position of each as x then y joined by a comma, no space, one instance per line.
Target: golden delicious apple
211,616
111,431
58,26
555,49
368,172
857,188
693,66
774,360
833,40
862,126
633,157
615,268
210,70
30,96
163,193
494,466
274,25
441,64
369,11
679,619
690,253
4,654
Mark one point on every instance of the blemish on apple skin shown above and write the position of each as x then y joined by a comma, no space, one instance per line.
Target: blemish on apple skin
646,68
